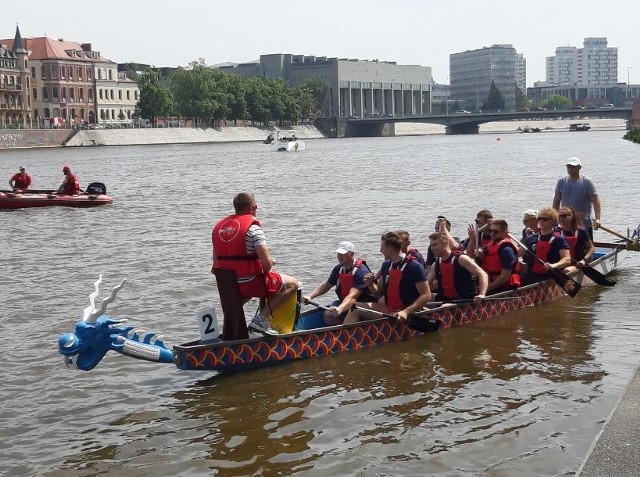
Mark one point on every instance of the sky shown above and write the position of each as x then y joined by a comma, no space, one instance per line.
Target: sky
409,32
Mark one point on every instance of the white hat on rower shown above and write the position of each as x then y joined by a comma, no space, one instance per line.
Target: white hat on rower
573,161
345,247
530,213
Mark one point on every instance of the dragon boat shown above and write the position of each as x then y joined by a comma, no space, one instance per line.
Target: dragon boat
302,335
95,195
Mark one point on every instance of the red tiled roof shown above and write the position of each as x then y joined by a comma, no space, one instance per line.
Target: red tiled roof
43,48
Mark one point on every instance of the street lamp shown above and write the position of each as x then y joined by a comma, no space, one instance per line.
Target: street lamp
629,68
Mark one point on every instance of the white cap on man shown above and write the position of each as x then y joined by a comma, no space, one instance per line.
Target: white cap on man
345,247
573,161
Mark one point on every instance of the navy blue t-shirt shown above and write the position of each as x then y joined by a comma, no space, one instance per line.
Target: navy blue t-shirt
358,281
413,273
559,243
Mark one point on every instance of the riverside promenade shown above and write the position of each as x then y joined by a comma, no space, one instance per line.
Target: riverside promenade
616,450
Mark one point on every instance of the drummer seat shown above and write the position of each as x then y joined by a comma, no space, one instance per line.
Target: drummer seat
234,325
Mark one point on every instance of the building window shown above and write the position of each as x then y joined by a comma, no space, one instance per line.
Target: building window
33,71
72,94
89,74
70,72
101,112
80,73
81,94
100,93
43,71
82,114
90,94
64,93
54,72
63,70
45,93
34,93
110,75
111,95
119,95
100,75
54,92
46,113
136,94
128,95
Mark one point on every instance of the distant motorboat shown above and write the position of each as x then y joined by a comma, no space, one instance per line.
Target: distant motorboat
579,127
287,141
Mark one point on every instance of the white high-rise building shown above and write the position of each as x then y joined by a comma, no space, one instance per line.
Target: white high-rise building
594,64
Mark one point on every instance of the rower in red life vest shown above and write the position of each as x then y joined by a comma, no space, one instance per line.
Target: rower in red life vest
403,284
20,180
70,185
348,279
499,259
551,247
410,251
239,244
453,272
442,225
478,232
581,246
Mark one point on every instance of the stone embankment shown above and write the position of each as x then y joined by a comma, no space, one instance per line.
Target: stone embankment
145,136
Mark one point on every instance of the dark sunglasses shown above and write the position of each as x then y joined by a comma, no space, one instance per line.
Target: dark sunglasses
544,219
564,216
494,231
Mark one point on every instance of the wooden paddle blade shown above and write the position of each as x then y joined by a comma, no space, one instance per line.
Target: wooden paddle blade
597,277
423,324
568,284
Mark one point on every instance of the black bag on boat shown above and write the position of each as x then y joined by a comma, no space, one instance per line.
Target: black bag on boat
96,188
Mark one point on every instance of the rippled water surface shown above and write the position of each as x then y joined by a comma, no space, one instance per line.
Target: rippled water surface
523,394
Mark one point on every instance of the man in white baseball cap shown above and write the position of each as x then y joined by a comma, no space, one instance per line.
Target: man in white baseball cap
580,193
348,278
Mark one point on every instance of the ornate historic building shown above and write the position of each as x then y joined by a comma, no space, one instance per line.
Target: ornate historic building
15,100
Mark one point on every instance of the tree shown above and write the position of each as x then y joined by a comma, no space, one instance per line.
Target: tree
495,102
521,99
318,87
155,100
200,92
556,102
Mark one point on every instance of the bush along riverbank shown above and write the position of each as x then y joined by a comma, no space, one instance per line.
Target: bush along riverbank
633,136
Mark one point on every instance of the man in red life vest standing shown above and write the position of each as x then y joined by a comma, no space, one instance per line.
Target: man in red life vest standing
454,272
20,180
239,244
348,278
404,283
70,185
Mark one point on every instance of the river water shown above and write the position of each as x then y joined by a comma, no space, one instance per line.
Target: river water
524,394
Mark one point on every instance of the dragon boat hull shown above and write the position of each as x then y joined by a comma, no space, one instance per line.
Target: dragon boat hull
310,340
16,200
97,333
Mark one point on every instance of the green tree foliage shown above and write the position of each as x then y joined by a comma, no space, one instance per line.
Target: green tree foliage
495,102
201,93
521,99
318,88
155,100
556,102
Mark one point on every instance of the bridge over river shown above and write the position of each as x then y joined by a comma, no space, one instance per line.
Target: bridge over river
469,123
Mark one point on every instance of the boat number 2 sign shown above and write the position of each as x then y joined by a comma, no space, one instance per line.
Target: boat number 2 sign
208,324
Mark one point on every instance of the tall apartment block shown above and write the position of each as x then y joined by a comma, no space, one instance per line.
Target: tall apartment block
593,64
471,73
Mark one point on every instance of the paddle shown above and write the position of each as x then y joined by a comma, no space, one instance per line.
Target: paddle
435,304
318,305
568,284
595,275
417,323
631,244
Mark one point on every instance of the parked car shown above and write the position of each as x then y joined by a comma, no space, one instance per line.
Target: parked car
607,106
523,110
579,107
538,108
463,111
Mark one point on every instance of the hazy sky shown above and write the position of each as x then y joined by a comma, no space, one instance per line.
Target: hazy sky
164,33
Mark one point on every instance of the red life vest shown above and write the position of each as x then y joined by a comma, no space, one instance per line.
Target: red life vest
229,244
485,240
346,280
454,281
21,180
71,184
572,240
392,290
492,264
542,252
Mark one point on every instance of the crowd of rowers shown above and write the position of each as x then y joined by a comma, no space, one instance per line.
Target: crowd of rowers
489,261
21,182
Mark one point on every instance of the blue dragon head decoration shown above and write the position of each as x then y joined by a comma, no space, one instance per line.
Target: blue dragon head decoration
96,334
